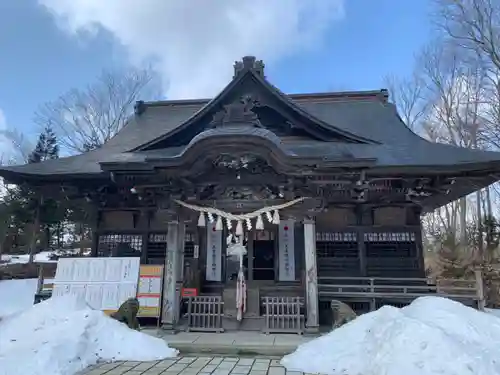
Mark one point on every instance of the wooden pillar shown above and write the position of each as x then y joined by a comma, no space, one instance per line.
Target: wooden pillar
144,219
419,243
312,320
170,303
182,248
481,300
360,234
94,230
420,253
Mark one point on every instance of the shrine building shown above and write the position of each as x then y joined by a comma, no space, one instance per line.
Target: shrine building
318,189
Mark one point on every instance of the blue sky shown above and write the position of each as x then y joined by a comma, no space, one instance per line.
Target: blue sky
41,58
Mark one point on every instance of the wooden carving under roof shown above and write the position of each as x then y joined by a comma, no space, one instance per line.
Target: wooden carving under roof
238,112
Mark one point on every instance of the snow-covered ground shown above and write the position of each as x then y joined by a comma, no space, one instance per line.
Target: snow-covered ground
62,336
41,257
431,336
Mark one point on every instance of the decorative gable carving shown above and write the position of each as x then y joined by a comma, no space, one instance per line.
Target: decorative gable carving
261,105
238,112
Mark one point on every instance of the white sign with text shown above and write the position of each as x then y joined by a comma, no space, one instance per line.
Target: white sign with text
214,254
286,256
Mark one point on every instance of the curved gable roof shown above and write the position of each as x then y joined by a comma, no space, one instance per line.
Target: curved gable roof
317,124
364,117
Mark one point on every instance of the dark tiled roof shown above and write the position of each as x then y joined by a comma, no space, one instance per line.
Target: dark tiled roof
362,114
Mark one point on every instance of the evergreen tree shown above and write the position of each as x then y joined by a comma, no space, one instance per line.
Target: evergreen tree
46,148
50,212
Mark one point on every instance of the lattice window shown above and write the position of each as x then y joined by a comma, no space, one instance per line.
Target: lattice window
390,237
336,245
189,242
121,245
390,245
157,247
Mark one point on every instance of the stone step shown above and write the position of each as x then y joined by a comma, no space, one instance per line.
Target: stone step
233,343
253,302
246,324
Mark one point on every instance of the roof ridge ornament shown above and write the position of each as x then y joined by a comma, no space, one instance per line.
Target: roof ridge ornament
139,107
248,63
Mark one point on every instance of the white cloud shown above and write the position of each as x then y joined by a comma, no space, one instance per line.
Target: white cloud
195,41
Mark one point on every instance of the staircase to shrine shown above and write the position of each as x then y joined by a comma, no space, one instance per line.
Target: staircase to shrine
252,320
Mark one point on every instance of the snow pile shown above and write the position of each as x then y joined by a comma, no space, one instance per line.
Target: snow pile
431,336
62,336
16,295
495,312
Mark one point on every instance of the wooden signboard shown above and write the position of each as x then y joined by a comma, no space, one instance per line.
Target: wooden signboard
104,283
150,290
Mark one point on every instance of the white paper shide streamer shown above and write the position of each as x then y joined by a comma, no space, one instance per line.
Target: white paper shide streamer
219,217
236,248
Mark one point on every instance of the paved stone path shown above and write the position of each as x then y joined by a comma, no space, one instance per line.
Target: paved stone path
194,366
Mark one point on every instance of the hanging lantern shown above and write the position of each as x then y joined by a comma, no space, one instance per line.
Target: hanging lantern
269,217
249,224
276,217
239,228
210,217
201,220
218,224
259,225
228,224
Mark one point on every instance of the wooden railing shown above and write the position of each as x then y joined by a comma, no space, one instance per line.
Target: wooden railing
283,314
401,288
204,313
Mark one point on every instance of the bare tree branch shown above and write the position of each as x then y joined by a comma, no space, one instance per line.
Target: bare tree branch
407,96
86,119
21,147
472,25
455,91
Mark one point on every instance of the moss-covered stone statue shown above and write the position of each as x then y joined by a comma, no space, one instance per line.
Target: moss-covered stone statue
342,313
127,313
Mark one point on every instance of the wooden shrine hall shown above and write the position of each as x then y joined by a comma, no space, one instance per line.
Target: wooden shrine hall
267,205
